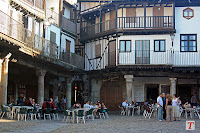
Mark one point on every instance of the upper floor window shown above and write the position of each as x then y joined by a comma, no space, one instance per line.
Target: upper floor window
159,45
188,43
125,46
188,13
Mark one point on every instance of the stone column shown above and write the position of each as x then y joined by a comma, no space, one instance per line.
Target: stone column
69,92
4,79
173,86
40,74
55,88
1,89
129,87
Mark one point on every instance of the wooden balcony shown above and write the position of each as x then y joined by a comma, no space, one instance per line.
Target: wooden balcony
129,25
69,26
32,7
35,45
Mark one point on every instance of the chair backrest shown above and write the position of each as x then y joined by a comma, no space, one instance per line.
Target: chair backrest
48,111
90,111
67,113
21,104
81,113
56,111
23,111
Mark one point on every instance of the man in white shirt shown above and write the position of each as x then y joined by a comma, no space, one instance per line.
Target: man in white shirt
125,103
160,107
86,105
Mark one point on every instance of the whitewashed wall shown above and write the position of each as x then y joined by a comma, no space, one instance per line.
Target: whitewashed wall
184,26
128,58
56,30
63,42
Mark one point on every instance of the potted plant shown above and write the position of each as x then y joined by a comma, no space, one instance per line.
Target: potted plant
52,8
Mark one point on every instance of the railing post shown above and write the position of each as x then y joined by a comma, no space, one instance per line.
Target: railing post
145,16
100,20
116,8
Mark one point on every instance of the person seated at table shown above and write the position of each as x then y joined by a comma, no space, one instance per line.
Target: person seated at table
52,104
134,102
46,104
33,103
29,102
86,105
125,104
103,106
187,105
91,105
76,105
96,107
19,101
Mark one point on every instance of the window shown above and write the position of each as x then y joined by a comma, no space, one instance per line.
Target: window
159,45
188,13
125,46
188,43
98,51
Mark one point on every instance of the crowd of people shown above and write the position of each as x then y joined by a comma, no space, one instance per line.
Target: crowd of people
96,106
169,107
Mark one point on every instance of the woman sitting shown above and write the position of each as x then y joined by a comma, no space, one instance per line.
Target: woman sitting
97,106
76,106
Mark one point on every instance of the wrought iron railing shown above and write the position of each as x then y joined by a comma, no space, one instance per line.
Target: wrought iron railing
16,30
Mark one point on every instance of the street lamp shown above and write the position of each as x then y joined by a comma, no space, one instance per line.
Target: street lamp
172,38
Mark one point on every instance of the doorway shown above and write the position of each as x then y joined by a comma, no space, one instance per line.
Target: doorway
152,92
142,53
112,53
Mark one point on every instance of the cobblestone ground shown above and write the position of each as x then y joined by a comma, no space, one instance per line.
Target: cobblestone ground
115,124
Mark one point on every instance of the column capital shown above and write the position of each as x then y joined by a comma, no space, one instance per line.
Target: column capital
69,80
129,78
40,72
173,79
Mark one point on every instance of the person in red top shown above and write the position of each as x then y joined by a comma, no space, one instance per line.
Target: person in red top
52,103
29,102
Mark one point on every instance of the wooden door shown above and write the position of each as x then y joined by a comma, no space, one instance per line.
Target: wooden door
112,20
68,45
130,14
158,20
111,94
112,53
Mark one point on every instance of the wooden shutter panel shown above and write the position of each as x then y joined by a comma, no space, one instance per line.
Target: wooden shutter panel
130,12
98,50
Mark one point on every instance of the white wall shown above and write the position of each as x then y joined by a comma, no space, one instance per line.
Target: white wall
128,58
63,42
66,12
53,3
56,30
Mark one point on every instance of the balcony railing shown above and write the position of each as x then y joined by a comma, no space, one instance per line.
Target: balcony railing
150,22
142,57
46,48
37,3
68,25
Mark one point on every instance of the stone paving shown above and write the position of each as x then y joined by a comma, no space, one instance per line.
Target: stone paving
115,124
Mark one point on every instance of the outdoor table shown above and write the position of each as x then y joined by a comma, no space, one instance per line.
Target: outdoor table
17,107
191,111
133,107
76,110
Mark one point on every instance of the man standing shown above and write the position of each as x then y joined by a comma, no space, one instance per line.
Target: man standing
164,103
160,107
194,100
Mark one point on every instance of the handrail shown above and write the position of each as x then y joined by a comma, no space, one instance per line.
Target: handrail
46,48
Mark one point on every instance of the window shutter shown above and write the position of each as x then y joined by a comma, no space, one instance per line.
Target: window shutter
130,12
98,50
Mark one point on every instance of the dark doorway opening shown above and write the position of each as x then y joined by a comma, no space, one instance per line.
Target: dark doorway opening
152,92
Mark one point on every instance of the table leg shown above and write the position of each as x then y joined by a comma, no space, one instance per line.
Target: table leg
73,117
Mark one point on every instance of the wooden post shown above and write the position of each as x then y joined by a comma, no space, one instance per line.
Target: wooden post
116,8
145,16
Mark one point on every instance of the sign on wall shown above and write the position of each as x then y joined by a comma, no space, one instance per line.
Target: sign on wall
139,93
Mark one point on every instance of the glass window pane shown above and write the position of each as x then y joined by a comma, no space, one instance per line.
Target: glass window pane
122,46
192,48
184,48
190,13
192,43
184,43
128,46
192,37
184,37
162,45
156,45
186,13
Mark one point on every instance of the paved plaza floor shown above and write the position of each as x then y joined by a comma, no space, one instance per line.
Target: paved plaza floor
115,124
